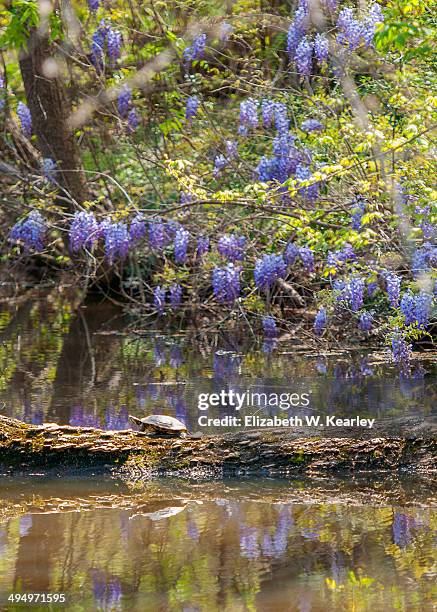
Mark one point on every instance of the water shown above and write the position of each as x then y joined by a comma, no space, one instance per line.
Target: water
82,366
224,546
362,543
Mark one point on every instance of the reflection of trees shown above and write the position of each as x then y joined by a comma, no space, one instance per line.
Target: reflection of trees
214,556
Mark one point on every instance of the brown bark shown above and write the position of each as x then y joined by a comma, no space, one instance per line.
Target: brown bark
267,452
49,108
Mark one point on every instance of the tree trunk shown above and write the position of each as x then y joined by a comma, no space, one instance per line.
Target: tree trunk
49,108
268,452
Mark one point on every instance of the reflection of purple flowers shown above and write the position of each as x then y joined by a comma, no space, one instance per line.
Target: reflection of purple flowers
402,529
249,542
107,590
25,525
116,420
80,418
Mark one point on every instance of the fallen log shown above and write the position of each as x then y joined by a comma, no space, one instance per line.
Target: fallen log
62,448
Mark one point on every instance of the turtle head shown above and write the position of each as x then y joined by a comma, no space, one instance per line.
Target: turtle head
136,421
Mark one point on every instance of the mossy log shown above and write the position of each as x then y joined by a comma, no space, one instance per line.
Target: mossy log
268,452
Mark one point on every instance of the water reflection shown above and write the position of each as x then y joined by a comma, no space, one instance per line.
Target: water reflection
70,364
236,552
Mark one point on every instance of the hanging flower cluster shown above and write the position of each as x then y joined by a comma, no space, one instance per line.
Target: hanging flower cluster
106,39
231,246
268,269
354,32
84,231
269,327
226,283
416,308
25,118
31,231
196,50
191,108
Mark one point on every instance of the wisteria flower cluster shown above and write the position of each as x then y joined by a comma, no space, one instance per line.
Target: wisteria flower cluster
354,32
105,39
25,118
416,308
226,283
268,269
191,108
196,50
231,246
84,231
31,231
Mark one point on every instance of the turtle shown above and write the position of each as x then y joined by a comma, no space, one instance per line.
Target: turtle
161,425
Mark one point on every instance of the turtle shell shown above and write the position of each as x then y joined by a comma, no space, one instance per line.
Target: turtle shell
163,422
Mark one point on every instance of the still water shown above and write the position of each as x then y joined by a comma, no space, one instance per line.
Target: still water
83,366
232,545
267,545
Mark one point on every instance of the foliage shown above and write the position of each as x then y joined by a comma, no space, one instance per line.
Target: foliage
307,138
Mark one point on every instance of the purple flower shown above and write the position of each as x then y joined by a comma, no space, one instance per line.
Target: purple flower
114,41
393,283
422,309
350,29
225,31
372,287
307,257
267,108
291,253
31,231
49,169
94,5
98,42
248,115
268,270
191,108
312,125
356,287
175,295
84,231
158,235
226,283
303,173
132,120
358,209
304,57
159,299
3,92
321,48
137,228
269,327
181,245
220,162
320,321
231,246
202,245
25,119
297,30
231,149
370,22
196,50
400,350
366,321
124,102
249,547
331,5
408,308
117,241
282,123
